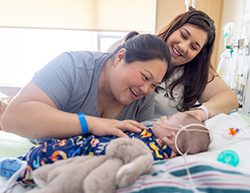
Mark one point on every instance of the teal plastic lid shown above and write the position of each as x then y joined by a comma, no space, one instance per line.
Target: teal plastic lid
229,157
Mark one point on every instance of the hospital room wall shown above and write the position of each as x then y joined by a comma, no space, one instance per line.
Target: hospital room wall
221,11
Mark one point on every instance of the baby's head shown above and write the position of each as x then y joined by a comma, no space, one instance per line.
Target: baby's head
166,129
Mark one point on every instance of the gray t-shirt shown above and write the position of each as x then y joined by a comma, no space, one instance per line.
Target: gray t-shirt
71,81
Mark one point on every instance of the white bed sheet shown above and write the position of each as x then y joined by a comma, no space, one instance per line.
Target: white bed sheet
220,124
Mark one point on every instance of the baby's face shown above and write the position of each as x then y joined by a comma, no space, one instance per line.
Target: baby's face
174,121
164,126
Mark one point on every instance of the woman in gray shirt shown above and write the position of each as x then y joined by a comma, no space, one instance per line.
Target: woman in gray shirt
81,92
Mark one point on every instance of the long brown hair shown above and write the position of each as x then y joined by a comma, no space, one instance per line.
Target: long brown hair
195,73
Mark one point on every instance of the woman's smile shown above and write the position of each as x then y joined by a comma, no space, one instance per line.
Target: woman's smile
184,45
133,93
140,80
175,51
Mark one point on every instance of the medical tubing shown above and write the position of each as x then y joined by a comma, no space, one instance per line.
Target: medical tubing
195,190
83,123
184,128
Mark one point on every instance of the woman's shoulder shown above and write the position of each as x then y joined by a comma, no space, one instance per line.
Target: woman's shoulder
88,59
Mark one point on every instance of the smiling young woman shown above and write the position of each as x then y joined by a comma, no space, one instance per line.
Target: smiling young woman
190,37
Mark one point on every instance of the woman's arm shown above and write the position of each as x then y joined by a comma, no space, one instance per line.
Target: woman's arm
217,98
33,114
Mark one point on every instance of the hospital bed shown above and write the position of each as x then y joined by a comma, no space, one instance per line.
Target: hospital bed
207,174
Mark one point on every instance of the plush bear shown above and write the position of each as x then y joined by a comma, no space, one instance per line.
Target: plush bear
125,160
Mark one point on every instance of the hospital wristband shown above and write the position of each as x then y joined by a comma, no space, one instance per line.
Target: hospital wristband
83,122
204,108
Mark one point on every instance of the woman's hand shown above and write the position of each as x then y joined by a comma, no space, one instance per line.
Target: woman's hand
103,126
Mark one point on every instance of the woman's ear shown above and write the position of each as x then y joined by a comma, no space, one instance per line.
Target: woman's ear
120,56
169,139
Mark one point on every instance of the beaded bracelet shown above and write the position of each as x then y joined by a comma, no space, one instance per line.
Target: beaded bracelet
83,122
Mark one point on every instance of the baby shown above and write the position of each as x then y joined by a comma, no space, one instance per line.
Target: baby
183,133
165,137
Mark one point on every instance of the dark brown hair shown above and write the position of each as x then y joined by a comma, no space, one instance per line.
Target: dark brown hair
145,47
195,74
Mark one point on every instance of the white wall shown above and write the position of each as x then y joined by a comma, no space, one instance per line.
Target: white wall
245,33
246,23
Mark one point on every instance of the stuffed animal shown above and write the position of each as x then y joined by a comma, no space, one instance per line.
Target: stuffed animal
125,160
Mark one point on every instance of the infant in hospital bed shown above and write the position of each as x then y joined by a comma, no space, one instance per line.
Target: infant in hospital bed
165,137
